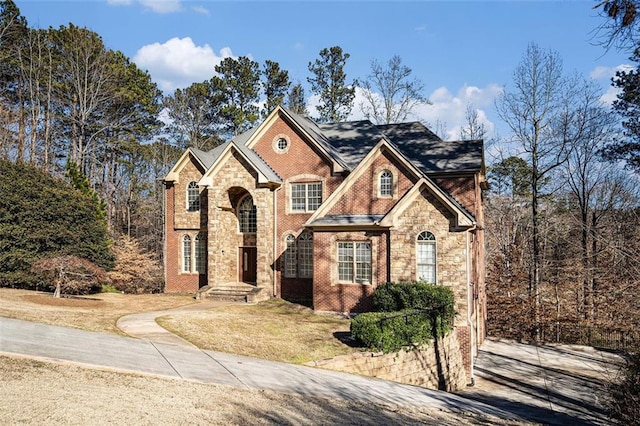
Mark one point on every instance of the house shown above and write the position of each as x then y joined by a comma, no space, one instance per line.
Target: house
328,212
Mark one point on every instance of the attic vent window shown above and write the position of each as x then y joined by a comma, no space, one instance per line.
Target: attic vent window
281,144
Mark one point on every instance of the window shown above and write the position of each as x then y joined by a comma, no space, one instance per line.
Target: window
247,216
354,262
282,144
306,197
193,197
290,257
201,253
386,184
426,257
186,254
305,255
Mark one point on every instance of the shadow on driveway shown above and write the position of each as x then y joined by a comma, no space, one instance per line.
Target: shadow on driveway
557,385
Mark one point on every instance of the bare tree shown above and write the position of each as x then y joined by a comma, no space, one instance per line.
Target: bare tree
474,128
391,93
539,112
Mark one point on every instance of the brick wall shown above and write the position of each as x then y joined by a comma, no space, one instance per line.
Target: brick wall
414,367
300,163
331,295
178,223
364,198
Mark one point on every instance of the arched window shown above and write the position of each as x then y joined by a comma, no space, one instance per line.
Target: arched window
305,255
386,183
193,197
426,257
201,253
290,257
186,253
247,216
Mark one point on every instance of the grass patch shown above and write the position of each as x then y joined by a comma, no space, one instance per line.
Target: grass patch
275,330
97,312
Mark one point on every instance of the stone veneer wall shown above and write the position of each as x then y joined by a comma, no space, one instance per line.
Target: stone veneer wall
412,366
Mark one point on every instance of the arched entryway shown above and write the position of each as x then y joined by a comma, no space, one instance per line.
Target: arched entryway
246,213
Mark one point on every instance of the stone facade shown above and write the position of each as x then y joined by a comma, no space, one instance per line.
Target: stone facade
442,369
285,151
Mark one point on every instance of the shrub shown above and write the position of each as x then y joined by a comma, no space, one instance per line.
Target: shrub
409,313
624,395
136,271
71,274
389,332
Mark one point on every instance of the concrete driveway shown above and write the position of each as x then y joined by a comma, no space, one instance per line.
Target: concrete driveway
557,385
182,361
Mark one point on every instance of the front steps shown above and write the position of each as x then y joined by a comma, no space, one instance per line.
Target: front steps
237,292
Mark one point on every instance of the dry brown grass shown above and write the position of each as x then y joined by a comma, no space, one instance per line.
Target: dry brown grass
98,312
50,393
274,330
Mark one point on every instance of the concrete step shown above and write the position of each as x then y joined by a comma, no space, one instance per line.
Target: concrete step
237,292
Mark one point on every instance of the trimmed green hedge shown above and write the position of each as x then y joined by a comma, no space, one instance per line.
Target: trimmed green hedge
411,313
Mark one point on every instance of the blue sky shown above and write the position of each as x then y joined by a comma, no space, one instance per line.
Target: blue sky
463,51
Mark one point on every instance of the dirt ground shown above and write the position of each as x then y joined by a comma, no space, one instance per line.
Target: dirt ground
36,392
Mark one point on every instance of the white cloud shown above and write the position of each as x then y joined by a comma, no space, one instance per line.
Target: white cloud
449,110
201,10
157,6
604,75
162,6
178,62
446,109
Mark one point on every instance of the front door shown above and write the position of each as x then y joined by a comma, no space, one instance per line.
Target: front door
248,264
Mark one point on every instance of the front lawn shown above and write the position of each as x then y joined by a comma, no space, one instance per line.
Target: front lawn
276,330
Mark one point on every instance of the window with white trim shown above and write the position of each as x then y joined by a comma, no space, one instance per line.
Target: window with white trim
426,257
247,216
193,197
354,262
186,254
290,257
305,255
386,183
306,197
201,253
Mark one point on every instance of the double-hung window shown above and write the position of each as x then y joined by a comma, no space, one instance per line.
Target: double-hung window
290,257
201,253
354,262
193,197
186,254
386,183
306,197
426,257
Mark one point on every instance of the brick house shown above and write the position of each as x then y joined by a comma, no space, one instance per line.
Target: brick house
327,212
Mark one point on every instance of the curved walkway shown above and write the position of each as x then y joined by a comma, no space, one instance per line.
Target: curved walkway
144,325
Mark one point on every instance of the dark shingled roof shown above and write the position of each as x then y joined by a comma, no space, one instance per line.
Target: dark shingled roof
210,157
430,153
352,139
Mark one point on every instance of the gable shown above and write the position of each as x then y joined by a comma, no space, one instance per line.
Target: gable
426,189
188,158
300,131
300,156
364,196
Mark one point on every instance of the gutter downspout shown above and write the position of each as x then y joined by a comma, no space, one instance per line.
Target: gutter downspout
469,304
275,240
